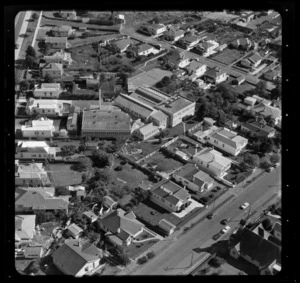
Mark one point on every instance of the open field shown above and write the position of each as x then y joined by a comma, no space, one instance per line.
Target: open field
63,175
228,56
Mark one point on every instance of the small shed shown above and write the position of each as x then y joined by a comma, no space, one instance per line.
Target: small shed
79,190
109,203
74,231
90,215
144,186
168,227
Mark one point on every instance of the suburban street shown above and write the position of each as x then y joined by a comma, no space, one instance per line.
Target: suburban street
178,257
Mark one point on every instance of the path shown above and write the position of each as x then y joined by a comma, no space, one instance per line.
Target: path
37,29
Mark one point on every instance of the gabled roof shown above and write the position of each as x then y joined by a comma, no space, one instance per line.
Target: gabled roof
267,110
214,73
148,129
118,220
159,115
195,65
108,201
255,58
51,66
75,229
53,39
73,255
144,47
258,248
24,226
166,225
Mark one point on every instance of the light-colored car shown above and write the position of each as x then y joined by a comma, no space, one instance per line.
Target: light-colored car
244,205
225,230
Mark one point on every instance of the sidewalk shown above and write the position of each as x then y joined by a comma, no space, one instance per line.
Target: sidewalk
164,244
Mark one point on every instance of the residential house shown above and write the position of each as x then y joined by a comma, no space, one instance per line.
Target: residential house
272,75
258,128
61,31
212,162
120,227
170,196
262,100
35,150
208,47
277,231
193,178
54,70
258,251
33,252
70,15
74,231
109,204
250,100
76,258
41,128
60,57
166,226
227,141
39,199
196,68
24,229
244,42
147,131
175,34
143,49
30,174
90,216
239,80
57,42
216,75
52,90
78,190
123,44
156,29
48,107
267,110
254,60
189,41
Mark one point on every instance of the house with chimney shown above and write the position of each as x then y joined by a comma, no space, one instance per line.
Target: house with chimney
260,252
121,228
77,258
170,196
193,178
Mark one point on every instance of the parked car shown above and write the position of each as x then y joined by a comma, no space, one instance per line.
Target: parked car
216,236
225,230
210,216
224,221
244,205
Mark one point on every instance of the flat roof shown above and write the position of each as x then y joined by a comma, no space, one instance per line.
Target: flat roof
105,120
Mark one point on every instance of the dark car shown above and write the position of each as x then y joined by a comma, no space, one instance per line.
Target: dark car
216,236
210,216
224,221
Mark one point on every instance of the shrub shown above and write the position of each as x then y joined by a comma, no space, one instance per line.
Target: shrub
142,260
216,261
150,255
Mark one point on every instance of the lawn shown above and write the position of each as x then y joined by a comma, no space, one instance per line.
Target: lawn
135,249
166,164
228,56
63,175
84,57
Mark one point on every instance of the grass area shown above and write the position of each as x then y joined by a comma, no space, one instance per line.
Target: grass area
166,164
63,175
136,249
228,56
132,176
144,235
84,57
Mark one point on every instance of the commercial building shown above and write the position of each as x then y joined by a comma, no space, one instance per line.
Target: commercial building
105,124
41,128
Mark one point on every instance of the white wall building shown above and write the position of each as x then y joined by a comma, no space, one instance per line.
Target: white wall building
42,128
51,90
48,107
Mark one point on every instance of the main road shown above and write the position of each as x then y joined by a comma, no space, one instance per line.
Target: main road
179,256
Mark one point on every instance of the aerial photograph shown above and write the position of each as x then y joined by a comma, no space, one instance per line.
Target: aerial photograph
147,142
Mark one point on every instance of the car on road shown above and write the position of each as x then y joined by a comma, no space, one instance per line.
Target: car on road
225,230
270,169
210,216
224,221
244,205
216,236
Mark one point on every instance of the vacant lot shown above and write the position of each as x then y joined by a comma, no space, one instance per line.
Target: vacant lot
228,56
63,175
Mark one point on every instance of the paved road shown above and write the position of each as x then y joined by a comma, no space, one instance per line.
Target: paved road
179,255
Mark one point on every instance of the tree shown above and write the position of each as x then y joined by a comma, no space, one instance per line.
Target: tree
104,175
42,217
267,224
34,16
266,145
217,261
24,85
30,61
274,158
270,121
68,149
61,191
83,165
30,51
48,79
251,159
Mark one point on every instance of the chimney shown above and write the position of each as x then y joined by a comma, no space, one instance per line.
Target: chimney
119,230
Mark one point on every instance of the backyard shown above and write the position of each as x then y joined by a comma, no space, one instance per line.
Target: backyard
228,56
63,175
84,57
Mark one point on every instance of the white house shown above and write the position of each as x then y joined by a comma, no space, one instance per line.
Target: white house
227,141
52,90
156,29
208,47
74,231
62,31
196,68
175,34
212,162
48,107
57,42
42,128
147,131
76,258
250,100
